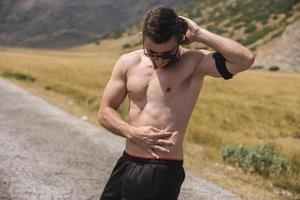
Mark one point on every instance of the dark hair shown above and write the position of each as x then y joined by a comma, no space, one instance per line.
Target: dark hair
161,23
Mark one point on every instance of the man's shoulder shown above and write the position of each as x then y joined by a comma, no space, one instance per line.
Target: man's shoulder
199,58
197,53
129,59
132,57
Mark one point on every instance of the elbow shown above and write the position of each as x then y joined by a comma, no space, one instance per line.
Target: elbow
249,60
101,117
104,116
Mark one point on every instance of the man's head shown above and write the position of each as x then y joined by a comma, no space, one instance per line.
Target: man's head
163,31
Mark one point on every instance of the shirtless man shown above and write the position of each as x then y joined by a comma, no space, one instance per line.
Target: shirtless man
163,81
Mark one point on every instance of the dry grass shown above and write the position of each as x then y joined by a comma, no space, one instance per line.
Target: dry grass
260,106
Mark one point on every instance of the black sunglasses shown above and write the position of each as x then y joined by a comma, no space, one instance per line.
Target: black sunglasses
164,56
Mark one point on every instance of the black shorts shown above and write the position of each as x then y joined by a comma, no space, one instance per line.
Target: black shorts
135,178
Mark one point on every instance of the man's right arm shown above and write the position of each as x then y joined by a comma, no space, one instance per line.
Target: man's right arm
113,95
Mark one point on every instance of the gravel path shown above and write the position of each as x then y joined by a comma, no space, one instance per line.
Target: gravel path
47,153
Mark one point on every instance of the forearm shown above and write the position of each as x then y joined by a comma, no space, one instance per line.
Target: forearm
111,120
230,49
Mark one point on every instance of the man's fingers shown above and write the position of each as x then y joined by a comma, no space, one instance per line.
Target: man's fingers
161,149
155,129
163,135
153,153
192,25
189,21
164,143
159,130
159,142
183,17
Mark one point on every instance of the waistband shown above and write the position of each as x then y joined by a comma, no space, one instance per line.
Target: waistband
152,160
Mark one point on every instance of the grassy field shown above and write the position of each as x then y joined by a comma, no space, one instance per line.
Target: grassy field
253,108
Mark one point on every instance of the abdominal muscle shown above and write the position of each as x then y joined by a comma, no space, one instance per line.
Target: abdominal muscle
162,119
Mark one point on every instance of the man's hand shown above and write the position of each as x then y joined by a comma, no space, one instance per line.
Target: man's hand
151,138
192,32
238,57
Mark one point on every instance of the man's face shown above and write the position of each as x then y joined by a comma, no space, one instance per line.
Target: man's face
161,54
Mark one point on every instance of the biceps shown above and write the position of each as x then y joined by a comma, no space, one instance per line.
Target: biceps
114,94
214,67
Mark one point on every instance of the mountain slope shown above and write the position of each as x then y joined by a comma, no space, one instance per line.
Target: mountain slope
61,23
283,51
252,23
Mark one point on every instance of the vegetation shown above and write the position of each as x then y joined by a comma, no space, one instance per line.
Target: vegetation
126,46
264,160
274,68
97,42
257,67
18,76
247,21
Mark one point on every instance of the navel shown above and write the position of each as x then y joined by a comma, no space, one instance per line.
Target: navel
168,89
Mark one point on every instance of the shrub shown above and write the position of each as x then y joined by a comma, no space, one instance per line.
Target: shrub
250,29
296,135
126,46
18,76
290,182
257,67
116,35
253,48
97,42
262,159
274,68
254,36
48,87
234,154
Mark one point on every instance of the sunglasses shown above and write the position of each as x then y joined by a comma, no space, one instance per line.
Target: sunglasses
165,56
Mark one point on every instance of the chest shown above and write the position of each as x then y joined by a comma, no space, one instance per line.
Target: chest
146,83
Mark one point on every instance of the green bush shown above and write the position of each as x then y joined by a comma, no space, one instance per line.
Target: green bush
257,67
48,87
290,182
262,159
274,68
126,46
97,42
253,48
18,76
250,29
116,35
234,154
136,44
297,135
254,36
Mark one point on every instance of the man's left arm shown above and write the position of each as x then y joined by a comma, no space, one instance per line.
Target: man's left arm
229,57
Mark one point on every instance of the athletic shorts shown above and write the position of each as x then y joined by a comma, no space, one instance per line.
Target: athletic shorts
135,178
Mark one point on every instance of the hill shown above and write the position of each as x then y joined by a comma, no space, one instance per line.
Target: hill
252,23
63,23
282,52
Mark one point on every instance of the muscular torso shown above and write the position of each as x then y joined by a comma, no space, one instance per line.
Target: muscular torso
163,98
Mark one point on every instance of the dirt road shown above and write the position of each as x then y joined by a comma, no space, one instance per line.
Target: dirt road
47,153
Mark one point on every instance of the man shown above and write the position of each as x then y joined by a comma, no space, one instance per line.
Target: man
163,82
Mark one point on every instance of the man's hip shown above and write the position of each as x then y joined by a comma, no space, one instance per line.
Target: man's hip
135,178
